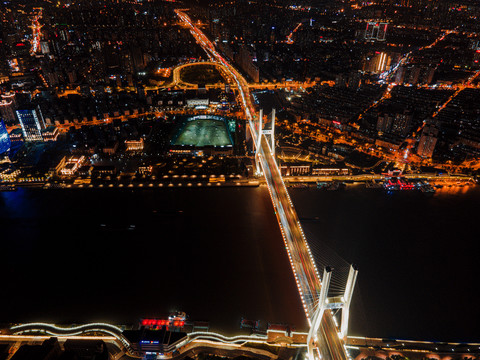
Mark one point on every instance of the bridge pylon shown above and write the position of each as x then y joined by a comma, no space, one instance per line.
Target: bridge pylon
270,137
330,303
258,143
352,279
312,338
271,134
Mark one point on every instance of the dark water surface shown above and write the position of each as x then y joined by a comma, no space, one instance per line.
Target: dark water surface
417,255
85,255
118,255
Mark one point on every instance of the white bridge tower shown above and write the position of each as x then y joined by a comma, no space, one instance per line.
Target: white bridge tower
333,303
263,132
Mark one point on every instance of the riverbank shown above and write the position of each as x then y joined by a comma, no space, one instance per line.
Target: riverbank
137,185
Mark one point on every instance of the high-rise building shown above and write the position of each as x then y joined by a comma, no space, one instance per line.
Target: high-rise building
244,59
414,75
354,80
369,30
340,81
45,47
4,138
376,31
428,76
32,123
402,123
382,31
377,63
7,112
10,97
384,123
8,105
72,76
400,75
476,58
475,44
428,140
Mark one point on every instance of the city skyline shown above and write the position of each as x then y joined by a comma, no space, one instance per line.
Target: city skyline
140,100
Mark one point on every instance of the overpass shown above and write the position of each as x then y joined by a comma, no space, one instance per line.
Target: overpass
98,331
263,347
259,346
324,342
177,80
52,329
179,83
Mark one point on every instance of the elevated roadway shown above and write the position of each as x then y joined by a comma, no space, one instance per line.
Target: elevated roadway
253,346
262,347
328,343
177,79
111,333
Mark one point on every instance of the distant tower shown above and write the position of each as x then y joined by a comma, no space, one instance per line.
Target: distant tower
32,123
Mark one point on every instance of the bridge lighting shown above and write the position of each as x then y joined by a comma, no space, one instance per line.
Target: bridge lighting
266,163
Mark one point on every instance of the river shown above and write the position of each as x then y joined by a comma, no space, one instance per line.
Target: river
217,254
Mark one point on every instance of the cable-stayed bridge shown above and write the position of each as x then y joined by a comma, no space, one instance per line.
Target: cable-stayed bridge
325,340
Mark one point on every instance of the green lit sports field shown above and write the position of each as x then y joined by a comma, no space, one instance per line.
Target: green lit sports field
204,132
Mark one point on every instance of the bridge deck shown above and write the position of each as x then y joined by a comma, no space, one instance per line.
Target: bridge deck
306,275
303,266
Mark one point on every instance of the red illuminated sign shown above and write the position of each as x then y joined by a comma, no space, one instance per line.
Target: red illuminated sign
158,322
